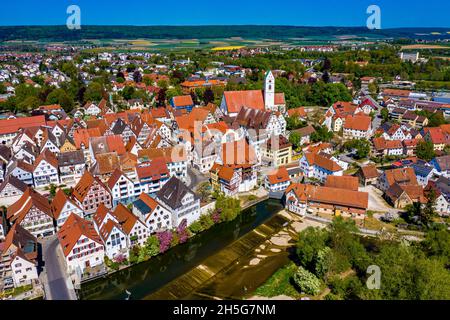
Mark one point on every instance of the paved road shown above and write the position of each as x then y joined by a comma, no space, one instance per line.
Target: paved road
376,202
56,276
194,178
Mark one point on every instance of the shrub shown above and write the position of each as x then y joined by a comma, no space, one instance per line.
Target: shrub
183,233
165,240
323,261
206,221
196,227
306,281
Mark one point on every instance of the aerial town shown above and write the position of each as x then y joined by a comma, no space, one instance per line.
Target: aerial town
110,159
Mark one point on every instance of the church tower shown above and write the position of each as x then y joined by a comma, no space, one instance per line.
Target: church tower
269,91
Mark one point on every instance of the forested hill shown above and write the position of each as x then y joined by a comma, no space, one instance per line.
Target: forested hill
62,33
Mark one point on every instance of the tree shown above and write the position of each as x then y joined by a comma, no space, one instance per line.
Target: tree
228,207
137,77
373,88
362,147
94,92
323,261
60,96
384,114
128,92
208,96
295,139
428,212
306,281
437,243
322,134
310,242
425,150
2,88
326,77
161,98
28,104
150,249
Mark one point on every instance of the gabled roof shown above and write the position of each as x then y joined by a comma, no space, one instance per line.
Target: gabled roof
84,185
156,169
125,218
71,158
323,162
381,143
342,182
422,170
305,131
107,144
182,101
443,162
81,136
58,203
436,135
238,153
145,203
48,157
401,176
235,100
13,125
115,177
358,122
30,198
299,112
370,172
21,239
332,196
13,181
106,229
278,176
414,192
73,229
173,192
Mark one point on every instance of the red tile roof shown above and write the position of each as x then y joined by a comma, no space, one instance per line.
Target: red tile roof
323,162
299,112
332,196
279,176
342,182
13,125
358,122
182,101
235,100
73,229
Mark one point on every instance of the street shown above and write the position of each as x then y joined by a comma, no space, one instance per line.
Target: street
194,178
376,202
56,279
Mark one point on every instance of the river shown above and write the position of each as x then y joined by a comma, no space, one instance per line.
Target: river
146,278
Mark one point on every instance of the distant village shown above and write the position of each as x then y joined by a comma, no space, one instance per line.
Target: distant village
110,173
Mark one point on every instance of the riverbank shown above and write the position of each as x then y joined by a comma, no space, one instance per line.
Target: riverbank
242,278
147,277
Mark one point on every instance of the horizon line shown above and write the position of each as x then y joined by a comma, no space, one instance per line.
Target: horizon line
221,25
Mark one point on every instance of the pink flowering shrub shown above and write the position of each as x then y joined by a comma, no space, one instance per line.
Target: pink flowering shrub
183,233
165,240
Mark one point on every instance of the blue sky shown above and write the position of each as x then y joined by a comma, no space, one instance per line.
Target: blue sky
394,13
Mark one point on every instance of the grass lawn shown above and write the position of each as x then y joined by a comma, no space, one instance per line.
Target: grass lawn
16,291
279,283
375,224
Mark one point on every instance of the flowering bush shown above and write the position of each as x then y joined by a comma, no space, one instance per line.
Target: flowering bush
215,217
165,240
120,258
307,282
183,234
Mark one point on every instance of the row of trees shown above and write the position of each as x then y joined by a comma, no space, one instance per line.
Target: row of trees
338,258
